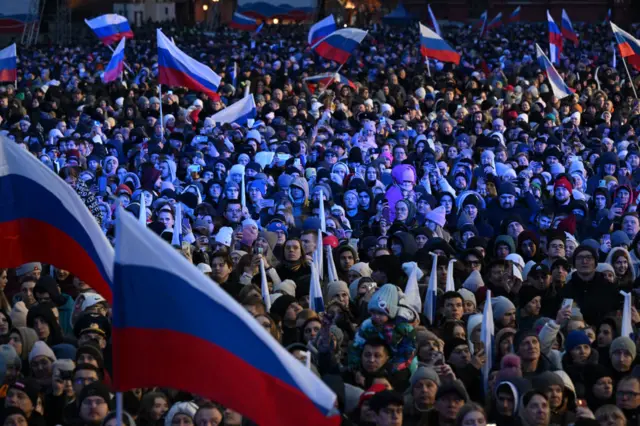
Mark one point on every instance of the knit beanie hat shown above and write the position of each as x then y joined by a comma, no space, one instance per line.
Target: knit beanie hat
526,295
576,338
28,386
424,373
450,345
41,348
19,314
468,296
581,248
385,301
189,408
287,287
11,357
521,335
605,267
511,366
336,287
473,282
260,185
95,389
363,269
501,305
623,342
438,215
224,236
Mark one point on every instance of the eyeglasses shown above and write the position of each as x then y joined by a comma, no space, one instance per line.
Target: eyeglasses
585,259
627,394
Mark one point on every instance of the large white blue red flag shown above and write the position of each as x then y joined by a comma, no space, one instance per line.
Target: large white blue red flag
239,112
116,64
321,29
555,40
434,47
9,63
110,28
339,45
567,28
558,86
176,68
43,219
189,334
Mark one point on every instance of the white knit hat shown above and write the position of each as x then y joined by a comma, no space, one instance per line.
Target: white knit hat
40,348
224,236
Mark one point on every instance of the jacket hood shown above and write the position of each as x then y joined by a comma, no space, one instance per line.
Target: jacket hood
614,253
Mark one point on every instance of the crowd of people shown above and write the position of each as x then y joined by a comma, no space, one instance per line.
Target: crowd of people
534,197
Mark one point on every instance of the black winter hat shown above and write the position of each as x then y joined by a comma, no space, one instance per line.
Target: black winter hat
582,248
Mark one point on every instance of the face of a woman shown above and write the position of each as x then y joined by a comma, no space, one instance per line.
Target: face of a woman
232,193
474,418
621,265
447,202
402,211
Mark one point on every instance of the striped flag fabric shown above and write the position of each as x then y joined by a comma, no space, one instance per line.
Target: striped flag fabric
321,29
116,64
110,28
176,68
339,45
558,86
555,40
163,304
487,333
515,15
239,112
495,22
9,63
434,47
628,45
58,229
243,23
431,299
567,28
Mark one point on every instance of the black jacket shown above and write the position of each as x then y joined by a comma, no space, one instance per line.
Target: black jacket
596,298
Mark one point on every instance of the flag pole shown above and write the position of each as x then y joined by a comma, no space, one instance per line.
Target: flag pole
633,86
119,408
426,61
161,115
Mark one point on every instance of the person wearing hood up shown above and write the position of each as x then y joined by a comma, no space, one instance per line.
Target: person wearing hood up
505,401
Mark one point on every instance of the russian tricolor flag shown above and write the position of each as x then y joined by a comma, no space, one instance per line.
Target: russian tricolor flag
495,22
483,23
116,64
434,47
176,68
430,307
515,15
9,63
110,28
243,22
555,40
487,334
42,218
567,28
558,86
240,112
189,334
339,45
329,77
628,45
321,29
